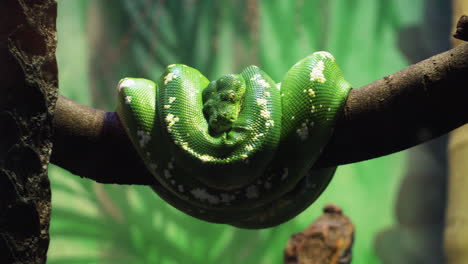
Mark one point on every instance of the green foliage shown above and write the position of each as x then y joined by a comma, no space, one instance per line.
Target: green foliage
93,223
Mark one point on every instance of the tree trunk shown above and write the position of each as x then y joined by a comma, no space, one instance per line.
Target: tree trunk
28,95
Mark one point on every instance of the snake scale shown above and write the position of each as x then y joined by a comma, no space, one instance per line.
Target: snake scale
238,150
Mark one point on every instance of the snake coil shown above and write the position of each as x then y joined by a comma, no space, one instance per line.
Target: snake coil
238,150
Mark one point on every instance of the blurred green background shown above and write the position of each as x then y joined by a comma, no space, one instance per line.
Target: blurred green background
102,41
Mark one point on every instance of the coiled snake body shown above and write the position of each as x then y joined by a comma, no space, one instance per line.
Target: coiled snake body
238,150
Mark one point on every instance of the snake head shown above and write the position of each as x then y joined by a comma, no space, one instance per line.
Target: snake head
222,102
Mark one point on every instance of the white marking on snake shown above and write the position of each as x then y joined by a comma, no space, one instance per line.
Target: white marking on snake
269,123
251,192
126,84
185,145
285,174
255,77
172,99
324,54
265,113
261,101
317,73
311,92
180,188
256,136
226,198
258,78
267,94
264,83
144,138
171,120
170,165
167,106
153,167
169,77
128,99
203,195
303,131
167,174
249,148
206,158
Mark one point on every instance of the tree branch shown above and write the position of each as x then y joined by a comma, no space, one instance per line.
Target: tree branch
419,103
92,143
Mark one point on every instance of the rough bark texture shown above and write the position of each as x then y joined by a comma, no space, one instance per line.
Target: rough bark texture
461,32
328,240
456,227
28,74
421,199
423,101
101,149
402,110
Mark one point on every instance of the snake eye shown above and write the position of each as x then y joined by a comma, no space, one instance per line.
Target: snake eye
232,97
229,96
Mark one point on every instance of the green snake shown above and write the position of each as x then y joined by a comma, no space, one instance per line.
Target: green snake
238,150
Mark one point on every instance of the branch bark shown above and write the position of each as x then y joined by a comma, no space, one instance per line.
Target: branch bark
419,103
